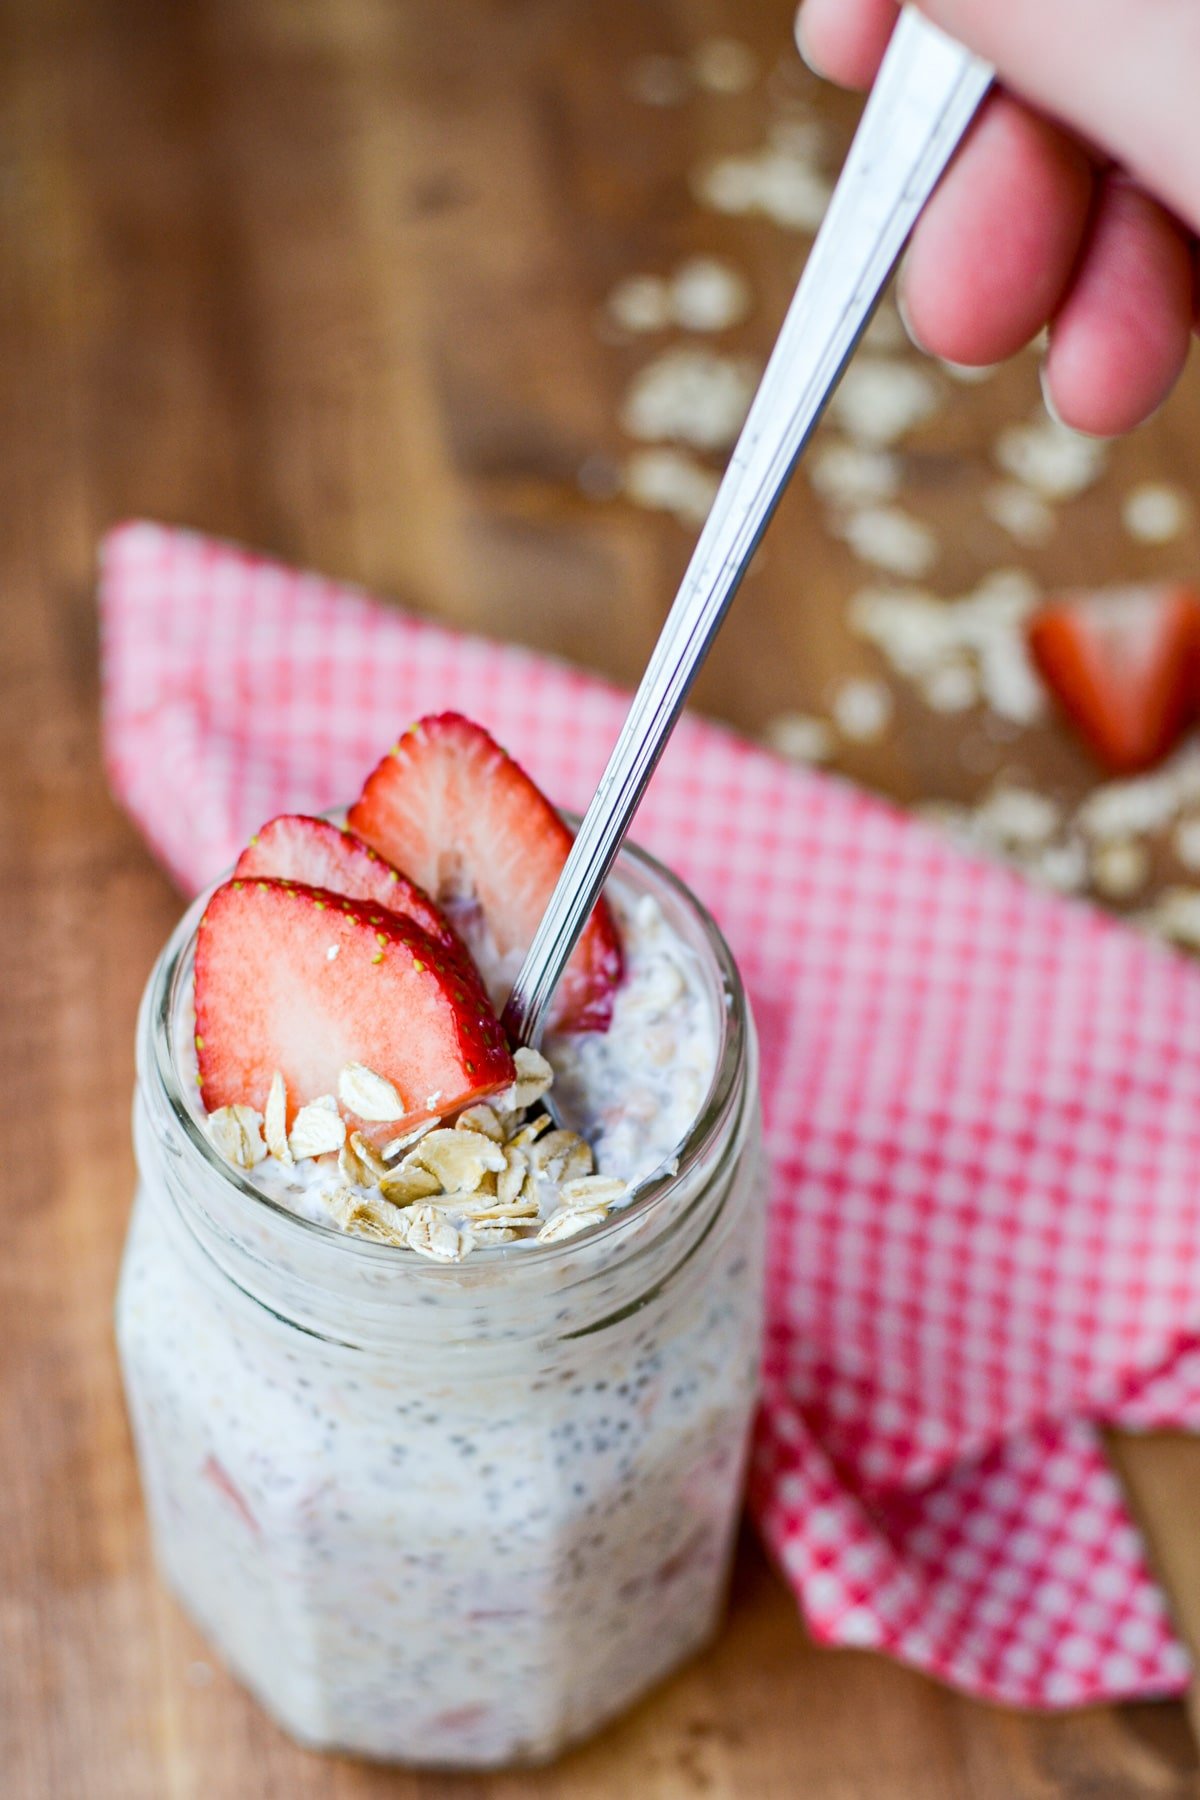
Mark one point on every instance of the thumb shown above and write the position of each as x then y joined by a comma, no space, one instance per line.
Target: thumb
1123,74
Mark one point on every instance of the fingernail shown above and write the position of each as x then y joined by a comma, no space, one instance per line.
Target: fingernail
905,318
1102,437
1048,397
806,55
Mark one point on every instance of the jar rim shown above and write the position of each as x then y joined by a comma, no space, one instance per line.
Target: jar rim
712,1119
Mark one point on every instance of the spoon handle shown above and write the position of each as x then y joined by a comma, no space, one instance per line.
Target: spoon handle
926,94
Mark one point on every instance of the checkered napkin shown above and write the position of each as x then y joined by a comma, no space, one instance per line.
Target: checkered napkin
982,1105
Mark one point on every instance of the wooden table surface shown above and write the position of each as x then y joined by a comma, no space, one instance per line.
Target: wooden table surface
328,276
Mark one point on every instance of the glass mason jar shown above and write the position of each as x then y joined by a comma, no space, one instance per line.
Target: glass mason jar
451,1514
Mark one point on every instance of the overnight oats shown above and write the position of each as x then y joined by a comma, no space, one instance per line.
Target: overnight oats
442,1362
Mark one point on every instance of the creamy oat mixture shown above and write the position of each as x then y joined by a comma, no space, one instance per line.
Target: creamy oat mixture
503,1171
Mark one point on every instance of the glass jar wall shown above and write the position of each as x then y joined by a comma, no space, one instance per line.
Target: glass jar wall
447,1514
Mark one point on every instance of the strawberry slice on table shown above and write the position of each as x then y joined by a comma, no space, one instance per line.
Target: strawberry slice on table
1121,665
294,847
303,980
451,809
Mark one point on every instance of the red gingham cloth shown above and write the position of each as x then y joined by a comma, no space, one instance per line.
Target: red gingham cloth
982,1105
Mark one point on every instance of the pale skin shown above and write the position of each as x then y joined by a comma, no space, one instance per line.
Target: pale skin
1073,203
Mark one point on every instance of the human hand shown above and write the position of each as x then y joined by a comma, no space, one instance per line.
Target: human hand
1073,202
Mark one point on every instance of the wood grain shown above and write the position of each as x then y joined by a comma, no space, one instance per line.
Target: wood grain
324,275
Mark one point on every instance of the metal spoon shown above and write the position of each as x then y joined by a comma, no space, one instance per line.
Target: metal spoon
927,92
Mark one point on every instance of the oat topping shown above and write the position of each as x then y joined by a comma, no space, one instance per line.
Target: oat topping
591,1191
398,1145
483,1119
495,1174
567,1222
408,1183
534,1076
318,1129
368,1156
369,1095
432,1234
236,1132
275,1121
459,1159
368,1215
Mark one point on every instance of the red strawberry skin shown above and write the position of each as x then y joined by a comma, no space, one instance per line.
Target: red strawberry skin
294,847
1121,665
304,980
452,810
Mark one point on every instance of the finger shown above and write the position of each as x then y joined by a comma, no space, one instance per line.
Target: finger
845,39
995,248
1121,337
1120,71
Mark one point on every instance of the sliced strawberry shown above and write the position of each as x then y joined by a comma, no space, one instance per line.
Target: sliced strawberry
451,809
1121,666
305,981
294,847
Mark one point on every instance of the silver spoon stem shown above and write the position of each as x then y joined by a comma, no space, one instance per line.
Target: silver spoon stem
926,94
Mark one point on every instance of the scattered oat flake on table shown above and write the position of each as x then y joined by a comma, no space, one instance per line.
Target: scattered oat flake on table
1186,843
1010,683
1176,915
953,687
1143,803
919,634
851,474
782,181
707,294
862,709
668,481
1019,511
1061,867
1052,459
724,65
640,303
671,481
800,737
1156,513
1017,818
881,399
890,538
690,396
1120,868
